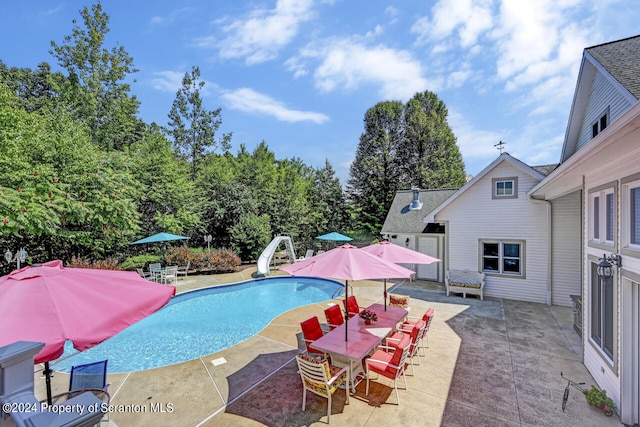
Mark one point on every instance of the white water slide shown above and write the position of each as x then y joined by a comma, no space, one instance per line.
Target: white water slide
265,258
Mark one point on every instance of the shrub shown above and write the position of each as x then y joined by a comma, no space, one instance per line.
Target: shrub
103,264
199,261
139,261
223,261
217,261
181,255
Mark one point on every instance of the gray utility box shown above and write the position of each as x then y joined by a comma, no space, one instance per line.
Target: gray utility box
19,404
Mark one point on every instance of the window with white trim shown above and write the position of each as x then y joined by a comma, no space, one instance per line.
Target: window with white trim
602,216
634,214
596,218
609,212
505,188
630,218
502,257
602,312
600,124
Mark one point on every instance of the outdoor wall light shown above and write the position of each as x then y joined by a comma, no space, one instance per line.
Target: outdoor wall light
21,256
605,266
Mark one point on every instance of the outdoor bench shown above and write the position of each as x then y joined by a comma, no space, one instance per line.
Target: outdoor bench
464,282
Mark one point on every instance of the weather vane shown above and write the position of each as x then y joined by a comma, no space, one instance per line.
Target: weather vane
500,146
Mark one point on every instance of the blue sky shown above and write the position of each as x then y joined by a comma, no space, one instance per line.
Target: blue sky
300,74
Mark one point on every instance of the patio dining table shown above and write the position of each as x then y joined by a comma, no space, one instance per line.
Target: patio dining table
363,339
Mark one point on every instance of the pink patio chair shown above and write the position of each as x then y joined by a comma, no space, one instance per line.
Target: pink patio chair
389,364
417,331
427,317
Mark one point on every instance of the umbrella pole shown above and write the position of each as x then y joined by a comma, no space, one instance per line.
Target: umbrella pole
47,375
346,310
385,294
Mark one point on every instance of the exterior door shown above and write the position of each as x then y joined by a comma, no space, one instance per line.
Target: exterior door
429,246
630,324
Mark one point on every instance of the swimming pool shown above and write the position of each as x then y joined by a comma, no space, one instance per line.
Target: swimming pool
201,322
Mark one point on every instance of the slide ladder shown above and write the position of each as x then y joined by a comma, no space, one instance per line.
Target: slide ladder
265,258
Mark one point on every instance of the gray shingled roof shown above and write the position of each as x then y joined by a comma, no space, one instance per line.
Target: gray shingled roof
622,60
402,220
545,169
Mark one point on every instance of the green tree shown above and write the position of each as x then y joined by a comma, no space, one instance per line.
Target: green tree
250,235
33,89
191,125
95,87
60,193
290,211
428,156
403,146
327,209
375,174
224,198
169,201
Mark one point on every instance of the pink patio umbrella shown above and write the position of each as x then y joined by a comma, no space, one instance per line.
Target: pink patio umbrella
398,255
52,304
347,262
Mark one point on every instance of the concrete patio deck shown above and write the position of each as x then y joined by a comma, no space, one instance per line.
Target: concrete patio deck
490,363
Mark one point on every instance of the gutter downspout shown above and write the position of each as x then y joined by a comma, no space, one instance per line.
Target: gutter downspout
547,203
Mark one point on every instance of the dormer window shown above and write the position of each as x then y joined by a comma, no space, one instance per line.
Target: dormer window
600,124
505,188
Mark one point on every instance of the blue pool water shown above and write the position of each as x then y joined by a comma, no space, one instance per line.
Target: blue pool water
201,322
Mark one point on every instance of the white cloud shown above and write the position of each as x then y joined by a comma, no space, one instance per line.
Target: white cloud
393,13
466,19
205,42
171,81
531,40
260,36
476,145
171,17
457,79
250,101
296,67
167,81
375,33
52,11
350,64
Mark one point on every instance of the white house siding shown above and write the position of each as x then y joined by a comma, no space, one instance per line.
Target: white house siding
603,370
603,95
566,235
475,216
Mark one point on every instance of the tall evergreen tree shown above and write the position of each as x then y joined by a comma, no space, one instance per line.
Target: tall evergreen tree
328,206
95,87
403,146
168,202
191,125
374,173
428,156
